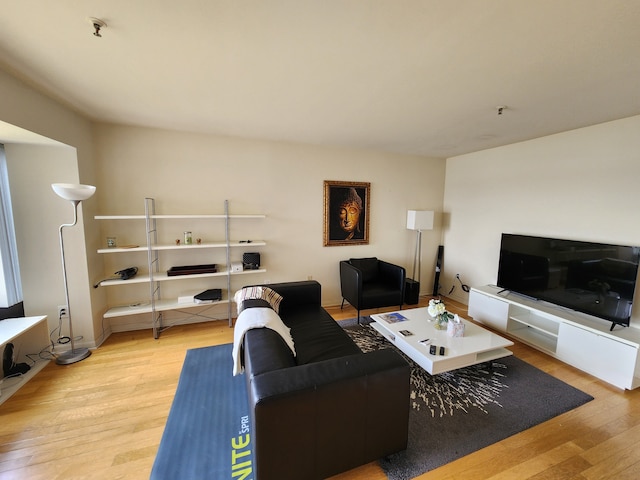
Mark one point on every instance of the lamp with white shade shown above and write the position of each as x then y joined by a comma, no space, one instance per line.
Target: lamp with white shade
419,220
75,193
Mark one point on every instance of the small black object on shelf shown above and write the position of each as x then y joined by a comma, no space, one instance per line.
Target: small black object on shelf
251,261
192,269
208,296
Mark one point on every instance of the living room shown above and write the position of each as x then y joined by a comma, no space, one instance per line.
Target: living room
556,185
576,183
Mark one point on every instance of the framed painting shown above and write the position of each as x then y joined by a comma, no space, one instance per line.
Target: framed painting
346,213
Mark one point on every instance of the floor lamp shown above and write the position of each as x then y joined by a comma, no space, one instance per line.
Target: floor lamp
75,193
419,220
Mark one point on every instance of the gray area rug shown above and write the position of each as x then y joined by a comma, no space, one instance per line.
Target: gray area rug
456,413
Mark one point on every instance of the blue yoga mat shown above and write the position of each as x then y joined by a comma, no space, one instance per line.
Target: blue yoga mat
207,435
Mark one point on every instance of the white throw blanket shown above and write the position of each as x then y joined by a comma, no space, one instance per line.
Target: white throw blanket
257,318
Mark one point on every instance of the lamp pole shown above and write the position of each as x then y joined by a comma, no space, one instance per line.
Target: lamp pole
418,256
72,355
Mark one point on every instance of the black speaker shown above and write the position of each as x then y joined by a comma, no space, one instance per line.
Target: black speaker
436,278
411,291
251,261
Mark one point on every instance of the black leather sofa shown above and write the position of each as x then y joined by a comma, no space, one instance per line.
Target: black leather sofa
331,407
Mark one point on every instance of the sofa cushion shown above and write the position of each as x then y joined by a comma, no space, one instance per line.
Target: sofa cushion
296,295
368,267
318,336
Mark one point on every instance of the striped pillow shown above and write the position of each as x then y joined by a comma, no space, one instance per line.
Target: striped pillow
258,292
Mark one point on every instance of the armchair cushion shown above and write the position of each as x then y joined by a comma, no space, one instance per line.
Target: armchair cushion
368,267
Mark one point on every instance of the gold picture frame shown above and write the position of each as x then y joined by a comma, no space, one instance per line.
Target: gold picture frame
346,213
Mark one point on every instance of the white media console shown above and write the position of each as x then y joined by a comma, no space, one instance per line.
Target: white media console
577,339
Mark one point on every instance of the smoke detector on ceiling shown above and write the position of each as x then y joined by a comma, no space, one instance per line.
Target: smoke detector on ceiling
97,25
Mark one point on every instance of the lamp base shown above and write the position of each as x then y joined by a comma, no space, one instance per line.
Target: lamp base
73,356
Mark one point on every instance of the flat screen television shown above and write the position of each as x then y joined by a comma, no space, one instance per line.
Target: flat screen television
593,278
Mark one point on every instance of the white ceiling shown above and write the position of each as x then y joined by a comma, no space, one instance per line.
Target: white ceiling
413,76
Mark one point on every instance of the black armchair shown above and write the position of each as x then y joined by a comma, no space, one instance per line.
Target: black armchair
371,283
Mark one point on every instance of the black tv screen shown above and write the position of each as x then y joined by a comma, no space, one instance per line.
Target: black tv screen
593,278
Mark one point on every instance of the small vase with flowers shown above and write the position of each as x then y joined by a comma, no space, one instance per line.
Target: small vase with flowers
438,311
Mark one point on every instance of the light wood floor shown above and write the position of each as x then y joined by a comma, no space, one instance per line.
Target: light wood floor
103,418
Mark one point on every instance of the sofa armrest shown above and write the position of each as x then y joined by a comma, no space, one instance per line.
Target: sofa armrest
315,420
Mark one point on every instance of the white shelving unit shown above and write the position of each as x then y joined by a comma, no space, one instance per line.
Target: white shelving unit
29,336
534,328
155,303
575,338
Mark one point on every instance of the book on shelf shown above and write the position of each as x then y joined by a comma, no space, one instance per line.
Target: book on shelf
208,296
393,317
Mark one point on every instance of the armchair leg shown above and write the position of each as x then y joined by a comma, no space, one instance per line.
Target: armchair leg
359,317
342,304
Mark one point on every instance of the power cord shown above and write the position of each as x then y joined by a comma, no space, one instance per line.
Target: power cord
61,340
464,286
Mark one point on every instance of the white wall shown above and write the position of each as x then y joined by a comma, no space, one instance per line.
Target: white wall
38,214
194,173
28,111
579,185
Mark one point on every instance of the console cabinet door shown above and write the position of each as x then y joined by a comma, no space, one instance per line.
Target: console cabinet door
491,311
603,357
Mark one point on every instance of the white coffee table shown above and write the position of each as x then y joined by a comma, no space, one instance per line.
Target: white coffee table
476,346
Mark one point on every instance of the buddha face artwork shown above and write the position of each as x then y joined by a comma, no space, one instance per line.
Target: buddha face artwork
346,213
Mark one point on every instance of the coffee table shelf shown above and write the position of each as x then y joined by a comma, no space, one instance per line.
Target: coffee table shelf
476,346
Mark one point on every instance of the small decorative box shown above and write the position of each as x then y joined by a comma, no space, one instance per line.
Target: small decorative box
455,327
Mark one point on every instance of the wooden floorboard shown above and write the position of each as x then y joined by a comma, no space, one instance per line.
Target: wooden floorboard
103,418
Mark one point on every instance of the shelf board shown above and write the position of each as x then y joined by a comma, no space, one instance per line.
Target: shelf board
159,277
161,305
254,243
204,216
8,387
163,277
11,328
535,338
545,325
257,243
189,247
245,272
493,354
122,250
176,217
119,217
